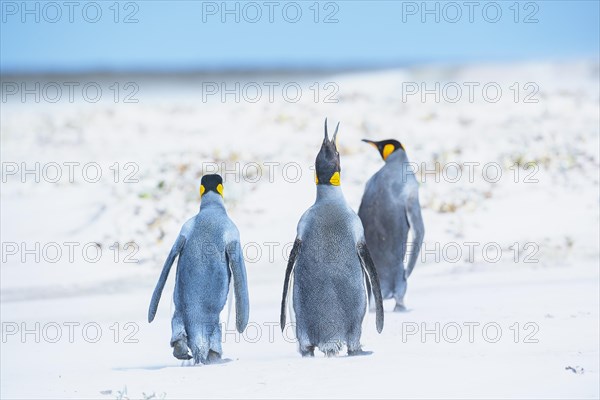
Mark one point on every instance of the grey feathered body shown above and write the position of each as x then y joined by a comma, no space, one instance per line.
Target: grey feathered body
210,254
203,276
389,209
329,283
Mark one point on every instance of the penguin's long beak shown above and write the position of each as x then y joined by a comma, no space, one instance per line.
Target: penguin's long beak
372,143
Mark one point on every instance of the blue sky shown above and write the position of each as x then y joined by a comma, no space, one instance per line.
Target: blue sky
181,35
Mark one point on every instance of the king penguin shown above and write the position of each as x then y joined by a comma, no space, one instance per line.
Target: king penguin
389,209
210,255
330,267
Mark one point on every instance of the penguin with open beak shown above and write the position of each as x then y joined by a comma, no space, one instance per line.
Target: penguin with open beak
330,270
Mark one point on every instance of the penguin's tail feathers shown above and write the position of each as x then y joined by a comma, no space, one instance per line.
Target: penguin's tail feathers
200,352
331,347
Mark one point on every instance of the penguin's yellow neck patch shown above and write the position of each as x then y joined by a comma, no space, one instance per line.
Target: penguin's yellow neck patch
387,150
335,179
219,189
316,178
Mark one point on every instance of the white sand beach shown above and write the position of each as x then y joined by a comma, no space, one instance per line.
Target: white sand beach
504,304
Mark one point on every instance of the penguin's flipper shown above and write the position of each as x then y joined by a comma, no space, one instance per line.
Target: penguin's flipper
286,281
369,291
175,250
235,260
369,268
417,228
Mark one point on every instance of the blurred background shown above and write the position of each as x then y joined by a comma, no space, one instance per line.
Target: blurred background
161,36
111,111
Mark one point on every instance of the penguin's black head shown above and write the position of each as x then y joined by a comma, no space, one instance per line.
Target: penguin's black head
385,147
212,182
327,164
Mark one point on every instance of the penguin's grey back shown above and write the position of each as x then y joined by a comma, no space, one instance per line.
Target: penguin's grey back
203,273
385,222
329,291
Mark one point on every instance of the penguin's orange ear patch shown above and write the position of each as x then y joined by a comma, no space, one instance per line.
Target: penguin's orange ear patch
202,190
220,189
387,150
335,179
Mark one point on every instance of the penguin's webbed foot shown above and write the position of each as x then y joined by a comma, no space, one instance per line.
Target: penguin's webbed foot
400,308
213,357
183,357
180,350
308,351
359,352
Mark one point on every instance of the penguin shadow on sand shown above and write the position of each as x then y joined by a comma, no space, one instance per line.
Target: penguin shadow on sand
183,363
190,362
